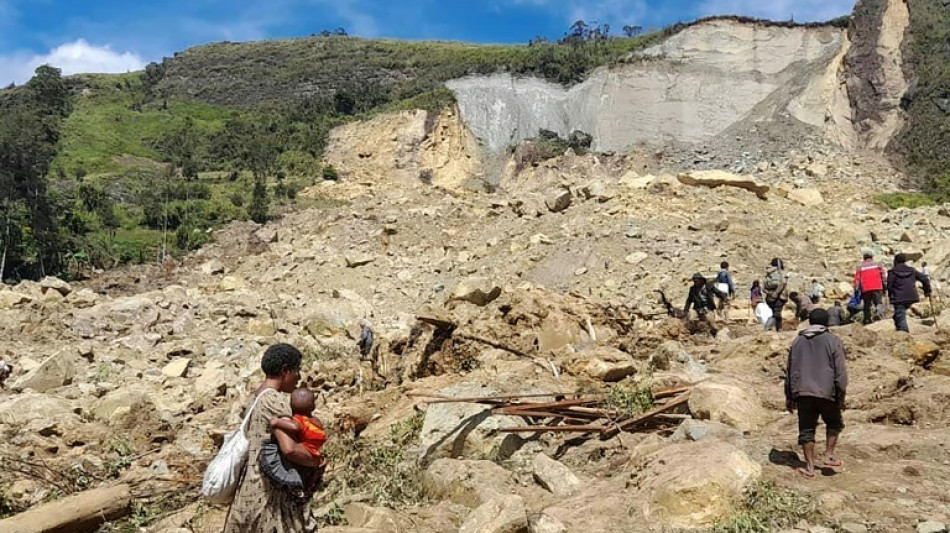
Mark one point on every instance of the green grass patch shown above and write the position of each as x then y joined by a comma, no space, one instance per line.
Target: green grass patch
767,508
910,200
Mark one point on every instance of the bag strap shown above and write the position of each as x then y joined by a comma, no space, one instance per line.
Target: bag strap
250,411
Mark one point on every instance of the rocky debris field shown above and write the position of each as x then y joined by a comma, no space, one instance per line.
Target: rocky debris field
546,285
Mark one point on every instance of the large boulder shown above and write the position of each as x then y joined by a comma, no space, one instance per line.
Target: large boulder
602,363
468,483
732,404
361,515
26,407
50,283
55,371
719,178
466,429
117,404
554,475
690,486
10,299
500,515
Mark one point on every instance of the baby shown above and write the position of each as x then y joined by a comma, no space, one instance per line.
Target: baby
305,429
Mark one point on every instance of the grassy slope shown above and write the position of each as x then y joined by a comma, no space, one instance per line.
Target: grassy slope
925,142
104,127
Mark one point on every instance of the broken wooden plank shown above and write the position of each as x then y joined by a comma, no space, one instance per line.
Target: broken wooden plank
560,404
672,391
79,513
442,398
625,425
556,429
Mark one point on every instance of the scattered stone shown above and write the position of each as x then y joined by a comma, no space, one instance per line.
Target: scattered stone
921,352
541,238
602,363
232,283
177,368
358,259
466,429
545,523
82,298
212,268
554,476
478,291
468,483
360,515
694,430
264,327
505,514
599,191
852,527
50,283
558,201
733,405
806,197
719,178
266,235
931,526
636,258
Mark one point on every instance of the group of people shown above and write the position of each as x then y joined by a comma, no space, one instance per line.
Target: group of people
816,370
769,296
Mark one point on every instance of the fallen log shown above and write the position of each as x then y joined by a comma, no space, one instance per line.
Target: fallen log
557,429
80,513
441,398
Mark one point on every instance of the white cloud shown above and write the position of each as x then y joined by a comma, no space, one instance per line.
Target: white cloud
800,10
73,58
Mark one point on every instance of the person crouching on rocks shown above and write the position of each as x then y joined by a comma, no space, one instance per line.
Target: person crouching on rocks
702,297
816,382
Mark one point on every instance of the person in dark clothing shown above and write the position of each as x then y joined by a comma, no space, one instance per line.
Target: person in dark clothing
816,382
902,289
837,316
775,286
702,298
803,305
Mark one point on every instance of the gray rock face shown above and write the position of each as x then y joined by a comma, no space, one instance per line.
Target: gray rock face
554,475
701,81
500,515
931,526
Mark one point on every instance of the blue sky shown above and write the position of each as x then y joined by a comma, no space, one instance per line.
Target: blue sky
120,35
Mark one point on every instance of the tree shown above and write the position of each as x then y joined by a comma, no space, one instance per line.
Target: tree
632,31
259,201
49,93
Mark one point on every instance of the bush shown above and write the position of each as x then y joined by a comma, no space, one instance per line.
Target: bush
767,508
237,199
909,200
330,173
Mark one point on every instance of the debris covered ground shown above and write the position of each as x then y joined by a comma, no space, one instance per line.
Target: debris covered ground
541,296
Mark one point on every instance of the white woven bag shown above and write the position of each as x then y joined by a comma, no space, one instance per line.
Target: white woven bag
224,471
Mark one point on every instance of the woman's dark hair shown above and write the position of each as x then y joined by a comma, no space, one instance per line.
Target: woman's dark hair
755,283
778,263
724,264
280,357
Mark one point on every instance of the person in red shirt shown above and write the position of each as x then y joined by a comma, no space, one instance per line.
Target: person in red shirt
870,278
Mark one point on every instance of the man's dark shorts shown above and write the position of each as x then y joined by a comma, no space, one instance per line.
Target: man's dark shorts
809,409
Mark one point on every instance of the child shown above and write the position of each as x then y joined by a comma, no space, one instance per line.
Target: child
305,429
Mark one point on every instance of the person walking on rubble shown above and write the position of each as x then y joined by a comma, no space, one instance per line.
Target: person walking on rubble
816,383
701,297
870,278
725,284
775,286
902,289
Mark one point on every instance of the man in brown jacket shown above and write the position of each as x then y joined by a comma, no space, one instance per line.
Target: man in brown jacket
816,383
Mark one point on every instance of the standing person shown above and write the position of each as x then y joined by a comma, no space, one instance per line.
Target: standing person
817,291
816,383
870,278
260,505
775,286
725,285
701,297
902,289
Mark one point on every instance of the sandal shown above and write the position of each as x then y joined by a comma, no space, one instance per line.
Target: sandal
802,471
833,463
